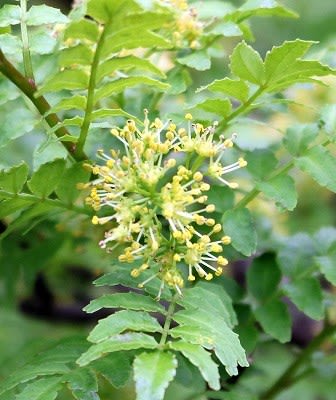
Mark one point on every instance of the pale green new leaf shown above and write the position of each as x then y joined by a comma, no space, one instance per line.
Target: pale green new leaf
41,389
247,64
109,67
76,55
234,88
43,14
74,102
66,80
152,374
238,224
199,60
83,29
109,112
10,44
281,189
320,164
13,179
105,10
83,384
46,178
120,84
121,321
306,294
201,359
221,107
126,341
130,301
10,15
275,319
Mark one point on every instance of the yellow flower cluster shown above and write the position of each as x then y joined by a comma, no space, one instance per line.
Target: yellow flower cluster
157,210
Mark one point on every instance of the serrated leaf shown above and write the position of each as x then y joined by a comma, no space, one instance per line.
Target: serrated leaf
116,112
66,80
221,196
82,383
275,320
126,341
105,10
13,179
201,359
152,374
120,84
74,102
178,80
238,224
296,255
263,277
10,15
66,189
116,368
231,87
262,8
109,67
198,60
227,29
221,107
41,389
43,14
10,44
46,178
41,41
327,265
298,137
76,55
320,164
328,119
121,321
83,29
306,294
247,64
281,189
260,163
130,300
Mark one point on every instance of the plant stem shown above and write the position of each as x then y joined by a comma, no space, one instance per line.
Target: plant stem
25,42
29,89
280,171
289,375
90,95
53,202
169,317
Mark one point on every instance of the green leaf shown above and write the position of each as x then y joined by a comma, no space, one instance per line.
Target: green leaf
262,8
328,119
238,224
326,265
126,341
198,60
119,85
152,374
234,88
320,164
306,294
275,320
105,10
122,321
298,137
83,29
221,196
10,206
281,189
227,29
179,80
109,67
66,80
116,112
295,256
247,64
41,41
260,163
41,389
221,107
46,178
10,44
42,15
74,102
325,239
66,189
115,367
76,55
83,384
201,359
130,301
263,277
13,179
10,15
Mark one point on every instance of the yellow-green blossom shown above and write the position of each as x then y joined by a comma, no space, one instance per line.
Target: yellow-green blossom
156,210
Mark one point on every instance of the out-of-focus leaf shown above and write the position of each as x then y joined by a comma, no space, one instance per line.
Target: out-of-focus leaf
12,180
43,14
10,15
298,137
198,60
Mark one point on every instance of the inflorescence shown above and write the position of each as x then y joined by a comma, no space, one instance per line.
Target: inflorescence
156,207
